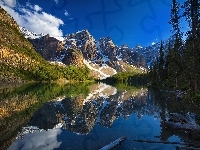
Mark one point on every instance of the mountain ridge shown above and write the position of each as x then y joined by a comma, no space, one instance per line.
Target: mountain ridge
147,53
102,56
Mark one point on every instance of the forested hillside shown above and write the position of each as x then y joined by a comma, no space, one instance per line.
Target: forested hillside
20,62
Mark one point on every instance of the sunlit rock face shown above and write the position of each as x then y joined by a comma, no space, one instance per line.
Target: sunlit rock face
46,46
83,41
73,57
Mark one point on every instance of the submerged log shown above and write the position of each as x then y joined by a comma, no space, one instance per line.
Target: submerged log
162,142
181,122
114,144
186,148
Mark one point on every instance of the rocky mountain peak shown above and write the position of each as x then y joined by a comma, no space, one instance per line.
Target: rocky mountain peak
124,46
83,41
81,37
106,43
29,34
138,46
26,32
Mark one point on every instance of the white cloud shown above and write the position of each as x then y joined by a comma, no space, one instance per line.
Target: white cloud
66,13
37,8
29,5
56,1
9,3
153,43
44,23
34,19
38,140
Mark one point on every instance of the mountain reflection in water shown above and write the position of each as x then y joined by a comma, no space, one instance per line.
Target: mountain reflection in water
93,118
78,114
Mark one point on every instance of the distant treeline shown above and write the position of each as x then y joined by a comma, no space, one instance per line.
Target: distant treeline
127,78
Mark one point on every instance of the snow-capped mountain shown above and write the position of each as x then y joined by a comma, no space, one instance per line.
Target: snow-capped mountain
150,53
102,56
29,34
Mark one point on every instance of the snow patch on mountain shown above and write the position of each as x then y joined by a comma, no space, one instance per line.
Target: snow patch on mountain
60,38
102,75
33,35
105,103
119,57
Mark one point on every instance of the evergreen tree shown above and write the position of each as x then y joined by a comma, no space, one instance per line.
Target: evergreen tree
168,60
192,14
192,46
174,58
175,22
161,62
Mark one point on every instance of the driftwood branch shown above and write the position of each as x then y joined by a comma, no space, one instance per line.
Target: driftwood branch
114,144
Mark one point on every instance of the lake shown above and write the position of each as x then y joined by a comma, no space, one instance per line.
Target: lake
88,117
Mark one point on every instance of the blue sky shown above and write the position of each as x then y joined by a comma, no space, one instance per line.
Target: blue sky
128,22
